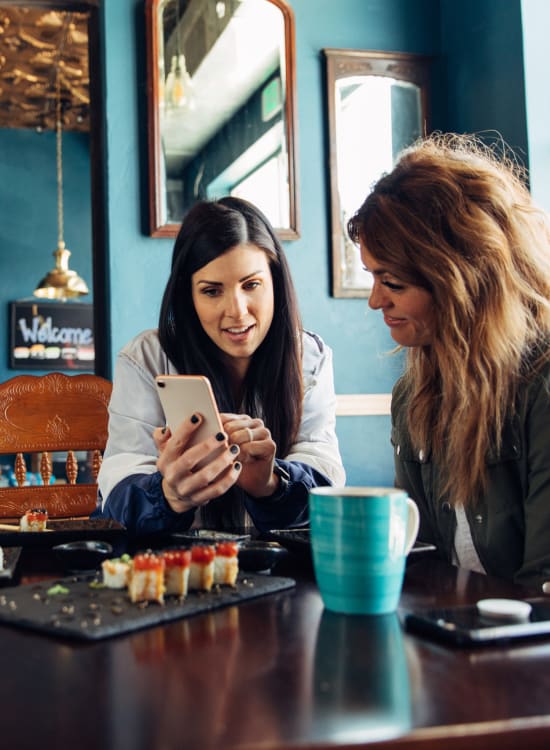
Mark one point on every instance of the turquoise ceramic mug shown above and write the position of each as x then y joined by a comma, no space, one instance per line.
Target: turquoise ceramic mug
360,539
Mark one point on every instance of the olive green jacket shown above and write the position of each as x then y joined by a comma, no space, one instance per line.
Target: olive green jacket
510,525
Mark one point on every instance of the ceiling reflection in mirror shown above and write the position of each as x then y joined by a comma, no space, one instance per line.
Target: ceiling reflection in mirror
221,108
377,107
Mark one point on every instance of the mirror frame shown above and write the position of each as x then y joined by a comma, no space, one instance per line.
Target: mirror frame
341,63
156,187
102,336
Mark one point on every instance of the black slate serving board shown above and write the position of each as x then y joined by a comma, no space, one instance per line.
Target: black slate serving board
91,613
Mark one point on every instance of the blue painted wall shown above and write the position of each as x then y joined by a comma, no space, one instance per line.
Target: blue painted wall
28,225
483,69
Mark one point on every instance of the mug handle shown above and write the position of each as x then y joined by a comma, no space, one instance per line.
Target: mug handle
413,523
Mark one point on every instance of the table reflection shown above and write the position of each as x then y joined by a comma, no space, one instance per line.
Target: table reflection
361,682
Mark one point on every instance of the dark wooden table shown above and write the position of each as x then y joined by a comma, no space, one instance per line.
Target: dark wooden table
277,672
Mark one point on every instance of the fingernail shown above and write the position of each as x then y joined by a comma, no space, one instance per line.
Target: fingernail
164,430
220,436
194,419
234,449
237,466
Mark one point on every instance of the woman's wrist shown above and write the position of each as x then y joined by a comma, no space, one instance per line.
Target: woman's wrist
281,479
177,504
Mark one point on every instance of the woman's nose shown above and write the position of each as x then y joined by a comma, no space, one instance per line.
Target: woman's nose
236,305
376,297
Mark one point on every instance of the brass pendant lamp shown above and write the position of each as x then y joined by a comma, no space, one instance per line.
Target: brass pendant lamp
61,282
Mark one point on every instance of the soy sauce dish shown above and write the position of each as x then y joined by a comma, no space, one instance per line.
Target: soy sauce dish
82,556
257,556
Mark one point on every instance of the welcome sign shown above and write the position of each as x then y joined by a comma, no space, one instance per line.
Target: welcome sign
51,336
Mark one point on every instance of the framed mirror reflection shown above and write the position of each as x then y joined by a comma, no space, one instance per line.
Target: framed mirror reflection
377,105
221,108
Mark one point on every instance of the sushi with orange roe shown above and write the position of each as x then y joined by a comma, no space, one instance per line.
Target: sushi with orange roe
34,520
146,578
116,571
201,574
226,563
177,565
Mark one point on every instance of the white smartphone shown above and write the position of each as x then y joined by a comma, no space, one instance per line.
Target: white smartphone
183,395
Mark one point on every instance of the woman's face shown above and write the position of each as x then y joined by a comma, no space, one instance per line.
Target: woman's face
408,310
233,298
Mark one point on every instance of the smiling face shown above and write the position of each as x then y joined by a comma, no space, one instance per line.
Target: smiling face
408,310
234,300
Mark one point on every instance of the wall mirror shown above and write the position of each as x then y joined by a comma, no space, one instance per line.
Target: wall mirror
377,105
221,108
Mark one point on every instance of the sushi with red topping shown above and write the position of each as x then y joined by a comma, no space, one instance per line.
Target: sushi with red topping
226,563
146,578
177,565
34,520
201,574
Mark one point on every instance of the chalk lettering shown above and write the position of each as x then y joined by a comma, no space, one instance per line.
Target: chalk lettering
42,331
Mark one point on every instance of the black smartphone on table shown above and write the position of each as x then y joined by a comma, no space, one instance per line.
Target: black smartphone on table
472,626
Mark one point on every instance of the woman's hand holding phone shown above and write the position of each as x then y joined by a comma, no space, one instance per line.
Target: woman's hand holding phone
196,459
191,476
257,453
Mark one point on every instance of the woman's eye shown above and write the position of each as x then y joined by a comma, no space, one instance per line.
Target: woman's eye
210,291
393,286
251,285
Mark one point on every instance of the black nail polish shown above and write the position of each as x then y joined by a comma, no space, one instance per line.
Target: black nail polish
220,436
234,449
194,419
237,466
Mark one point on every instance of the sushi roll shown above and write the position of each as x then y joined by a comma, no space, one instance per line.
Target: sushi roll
177,564
146,578
34,520
201,574
226,563
116,572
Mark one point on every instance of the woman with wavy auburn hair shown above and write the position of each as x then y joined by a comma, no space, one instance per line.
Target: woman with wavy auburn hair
460,258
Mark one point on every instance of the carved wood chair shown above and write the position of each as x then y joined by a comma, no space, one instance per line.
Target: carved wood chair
40,415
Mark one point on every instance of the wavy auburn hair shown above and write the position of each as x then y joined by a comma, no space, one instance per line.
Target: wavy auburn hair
455,217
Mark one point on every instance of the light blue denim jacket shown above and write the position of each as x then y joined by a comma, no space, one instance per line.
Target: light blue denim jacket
129,483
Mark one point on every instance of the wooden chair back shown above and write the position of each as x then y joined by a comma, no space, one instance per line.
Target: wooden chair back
50,413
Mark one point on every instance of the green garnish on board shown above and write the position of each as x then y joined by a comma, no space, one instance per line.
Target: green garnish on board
57,589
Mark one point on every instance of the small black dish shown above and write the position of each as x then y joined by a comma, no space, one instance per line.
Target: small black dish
258,555
207,536
82,556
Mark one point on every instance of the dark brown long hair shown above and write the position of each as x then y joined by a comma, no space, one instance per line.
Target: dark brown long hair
272,389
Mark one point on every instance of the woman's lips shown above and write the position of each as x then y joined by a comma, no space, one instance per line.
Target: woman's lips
392,322
238,333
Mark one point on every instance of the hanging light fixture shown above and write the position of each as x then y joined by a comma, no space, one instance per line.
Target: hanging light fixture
178,90
60,283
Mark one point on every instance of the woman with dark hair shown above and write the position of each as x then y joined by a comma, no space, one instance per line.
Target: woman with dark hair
460,257
229,312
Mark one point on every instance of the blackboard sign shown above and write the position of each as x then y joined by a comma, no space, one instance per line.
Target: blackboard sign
51,336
